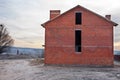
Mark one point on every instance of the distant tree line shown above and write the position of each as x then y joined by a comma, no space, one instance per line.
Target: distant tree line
5,39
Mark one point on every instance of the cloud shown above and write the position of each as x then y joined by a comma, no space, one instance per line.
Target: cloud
24,17
24,43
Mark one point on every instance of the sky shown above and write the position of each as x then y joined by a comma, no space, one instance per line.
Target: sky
23,18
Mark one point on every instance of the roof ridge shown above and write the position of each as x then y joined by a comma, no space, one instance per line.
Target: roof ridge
115,24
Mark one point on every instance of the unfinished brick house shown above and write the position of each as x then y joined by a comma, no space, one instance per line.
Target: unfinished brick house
79,37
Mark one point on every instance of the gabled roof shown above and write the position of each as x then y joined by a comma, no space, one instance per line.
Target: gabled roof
115,24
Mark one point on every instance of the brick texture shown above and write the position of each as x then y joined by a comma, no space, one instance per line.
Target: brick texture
97,40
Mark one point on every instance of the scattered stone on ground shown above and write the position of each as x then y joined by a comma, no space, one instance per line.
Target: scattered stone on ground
23,70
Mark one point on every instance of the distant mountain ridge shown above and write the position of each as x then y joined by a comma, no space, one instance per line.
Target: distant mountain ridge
116,52
26,48
22,50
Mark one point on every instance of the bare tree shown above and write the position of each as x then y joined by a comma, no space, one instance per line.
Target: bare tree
5,39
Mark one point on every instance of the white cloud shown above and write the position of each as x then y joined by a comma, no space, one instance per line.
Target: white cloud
23,17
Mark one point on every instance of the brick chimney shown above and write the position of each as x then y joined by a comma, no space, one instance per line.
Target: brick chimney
108,17
54,13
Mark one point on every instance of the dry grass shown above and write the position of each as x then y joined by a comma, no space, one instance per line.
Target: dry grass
37,61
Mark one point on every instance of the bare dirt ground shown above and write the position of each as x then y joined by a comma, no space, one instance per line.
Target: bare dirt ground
24,70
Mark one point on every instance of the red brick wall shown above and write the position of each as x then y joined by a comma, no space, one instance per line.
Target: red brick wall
97,40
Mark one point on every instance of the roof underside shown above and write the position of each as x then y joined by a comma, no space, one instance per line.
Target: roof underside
115,24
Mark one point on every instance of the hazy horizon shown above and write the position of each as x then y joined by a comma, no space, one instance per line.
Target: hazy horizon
23,18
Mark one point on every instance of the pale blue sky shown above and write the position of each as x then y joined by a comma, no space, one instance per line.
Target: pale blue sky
23,18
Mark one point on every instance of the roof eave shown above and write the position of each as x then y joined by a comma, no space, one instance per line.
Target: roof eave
43,25
115,24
